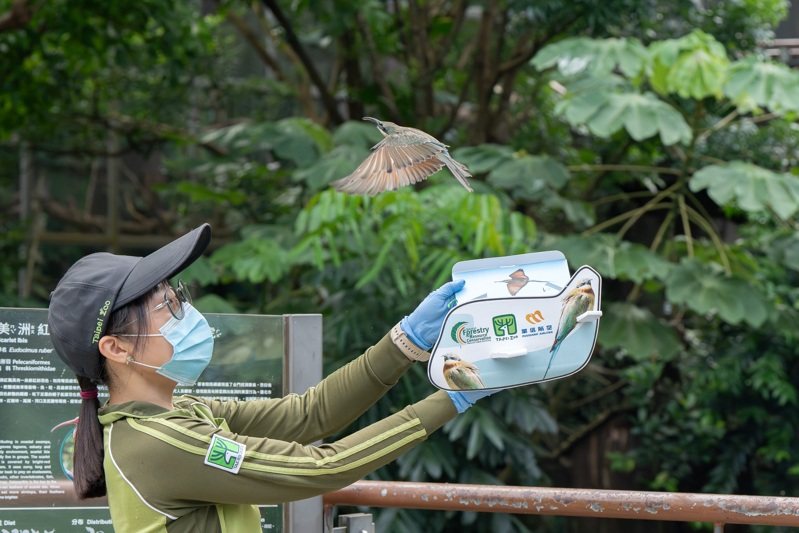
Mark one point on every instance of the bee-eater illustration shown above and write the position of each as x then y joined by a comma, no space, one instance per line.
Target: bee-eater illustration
577,301
461,375
405,156
519,279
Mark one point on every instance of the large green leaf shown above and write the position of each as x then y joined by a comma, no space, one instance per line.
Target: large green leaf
296,140
637,331
307,129
580,213
359,134
595,56
200,272
613,258
213,303
253,259
198,192
785,249
749,187
483,158
527,176
334,165
585,96
641,115
771,379
693,66
755,83
708,291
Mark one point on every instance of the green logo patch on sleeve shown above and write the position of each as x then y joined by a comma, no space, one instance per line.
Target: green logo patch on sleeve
225,454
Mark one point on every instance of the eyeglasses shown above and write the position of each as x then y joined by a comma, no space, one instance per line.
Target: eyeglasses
174,298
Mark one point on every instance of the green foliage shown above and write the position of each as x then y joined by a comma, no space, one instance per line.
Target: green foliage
637,332
82,61
528,176
597,58
659,150
754,84
749,187
614,258
707,290
694,66
598,103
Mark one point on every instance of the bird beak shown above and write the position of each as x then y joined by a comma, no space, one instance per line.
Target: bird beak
372,120
73,422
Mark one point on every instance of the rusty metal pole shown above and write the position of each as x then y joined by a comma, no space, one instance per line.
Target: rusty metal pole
636,505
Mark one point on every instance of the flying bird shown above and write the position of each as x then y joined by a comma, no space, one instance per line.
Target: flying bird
516,282
461,375
405,156
519,279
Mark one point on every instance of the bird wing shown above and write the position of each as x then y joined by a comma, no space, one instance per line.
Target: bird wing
519,274
568,319
390,167
515,285
573,306
467,377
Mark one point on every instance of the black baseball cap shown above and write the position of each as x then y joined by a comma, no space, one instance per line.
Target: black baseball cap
101,283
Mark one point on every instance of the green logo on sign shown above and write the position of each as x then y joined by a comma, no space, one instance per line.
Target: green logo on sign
504,325
225,454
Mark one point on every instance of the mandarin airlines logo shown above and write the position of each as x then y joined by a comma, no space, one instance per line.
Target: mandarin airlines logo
465,333
536,317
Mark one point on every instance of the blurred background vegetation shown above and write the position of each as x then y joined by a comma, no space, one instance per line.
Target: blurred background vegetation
651,139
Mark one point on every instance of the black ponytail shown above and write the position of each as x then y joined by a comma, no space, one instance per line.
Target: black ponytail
89,477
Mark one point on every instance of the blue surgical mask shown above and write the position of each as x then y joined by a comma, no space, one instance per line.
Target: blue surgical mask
192,343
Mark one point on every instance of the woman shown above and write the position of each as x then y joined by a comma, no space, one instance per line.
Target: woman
196,464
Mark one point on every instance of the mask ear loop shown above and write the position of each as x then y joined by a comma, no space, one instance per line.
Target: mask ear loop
130,360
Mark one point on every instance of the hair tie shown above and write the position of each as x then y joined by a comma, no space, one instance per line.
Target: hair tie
90,394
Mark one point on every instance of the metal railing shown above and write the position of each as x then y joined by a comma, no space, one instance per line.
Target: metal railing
718,509
783,49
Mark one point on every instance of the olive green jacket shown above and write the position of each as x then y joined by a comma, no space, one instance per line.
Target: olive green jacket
204,465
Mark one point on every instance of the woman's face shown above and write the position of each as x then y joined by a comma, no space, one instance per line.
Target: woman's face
156,350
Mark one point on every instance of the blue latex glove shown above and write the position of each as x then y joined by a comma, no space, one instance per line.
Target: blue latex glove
465,399
424,323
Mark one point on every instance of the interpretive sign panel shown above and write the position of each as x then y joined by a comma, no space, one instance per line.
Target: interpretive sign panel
38,393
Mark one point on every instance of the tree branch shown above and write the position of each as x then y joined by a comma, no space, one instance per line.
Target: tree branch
327,99
89,222
254,41
484,73
303,88
378,74
352,70
17,17
126,124
419,23
630,168
588,428
459,12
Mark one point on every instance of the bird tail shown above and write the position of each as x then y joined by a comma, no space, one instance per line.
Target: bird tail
553,352
555,345
458,170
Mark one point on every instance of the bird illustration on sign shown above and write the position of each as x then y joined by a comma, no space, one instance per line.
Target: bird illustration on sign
403,157
577,301
518,280
460,374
